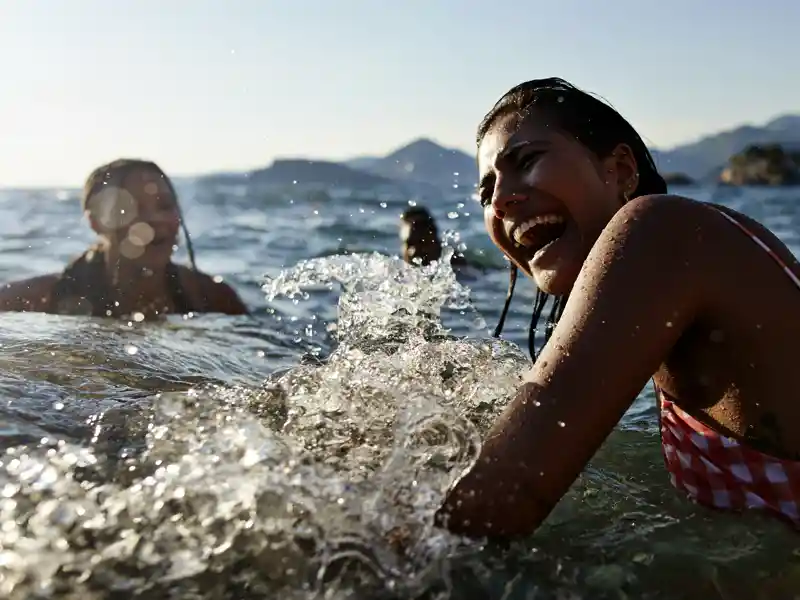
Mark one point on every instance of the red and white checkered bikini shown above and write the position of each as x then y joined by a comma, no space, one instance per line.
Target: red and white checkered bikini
718,471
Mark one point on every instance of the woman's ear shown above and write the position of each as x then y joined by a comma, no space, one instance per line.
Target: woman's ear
626,170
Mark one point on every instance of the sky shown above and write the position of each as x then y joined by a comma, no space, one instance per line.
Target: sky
216,85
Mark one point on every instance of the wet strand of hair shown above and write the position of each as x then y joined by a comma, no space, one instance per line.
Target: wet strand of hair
512,282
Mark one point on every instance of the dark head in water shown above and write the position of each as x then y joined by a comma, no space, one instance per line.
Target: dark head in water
419,236
555,165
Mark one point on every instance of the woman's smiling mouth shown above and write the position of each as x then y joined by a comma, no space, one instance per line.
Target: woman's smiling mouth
537,232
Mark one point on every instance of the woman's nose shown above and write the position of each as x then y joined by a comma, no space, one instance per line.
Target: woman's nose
504,202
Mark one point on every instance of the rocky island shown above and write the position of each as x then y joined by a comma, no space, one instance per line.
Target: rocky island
762,165
678,179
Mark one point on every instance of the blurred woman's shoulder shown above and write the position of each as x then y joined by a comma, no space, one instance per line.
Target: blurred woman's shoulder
212,293
32,294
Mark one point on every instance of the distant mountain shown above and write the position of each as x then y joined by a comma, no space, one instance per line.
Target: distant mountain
423,164
704,158
423,161
362,162
426,161
290,171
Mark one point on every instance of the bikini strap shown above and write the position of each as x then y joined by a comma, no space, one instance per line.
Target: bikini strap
758,241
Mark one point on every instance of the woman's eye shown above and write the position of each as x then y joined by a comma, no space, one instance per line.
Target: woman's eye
530,159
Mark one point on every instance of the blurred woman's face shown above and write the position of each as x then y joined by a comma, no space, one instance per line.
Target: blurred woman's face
140,218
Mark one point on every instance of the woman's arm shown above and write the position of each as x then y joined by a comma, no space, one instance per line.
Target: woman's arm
641,286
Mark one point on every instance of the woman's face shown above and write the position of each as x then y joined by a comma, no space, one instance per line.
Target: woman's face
140,218
547,198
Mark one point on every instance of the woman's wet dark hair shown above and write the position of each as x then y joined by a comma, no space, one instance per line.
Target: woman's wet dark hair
596,125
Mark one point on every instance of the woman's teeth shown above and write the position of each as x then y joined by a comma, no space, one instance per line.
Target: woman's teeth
523,228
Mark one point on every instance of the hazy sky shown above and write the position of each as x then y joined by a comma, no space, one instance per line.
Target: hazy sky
205,85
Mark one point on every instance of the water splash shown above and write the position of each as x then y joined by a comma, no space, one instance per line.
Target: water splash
326,475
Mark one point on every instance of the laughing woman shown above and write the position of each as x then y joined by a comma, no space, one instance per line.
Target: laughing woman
644,285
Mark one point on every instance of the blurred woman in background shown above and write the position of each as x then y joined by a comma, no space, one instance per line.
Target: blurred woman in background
132,206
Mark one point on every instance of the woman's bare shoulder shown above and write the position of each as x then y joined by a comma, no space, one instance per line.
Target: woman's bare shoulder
216,295
31,294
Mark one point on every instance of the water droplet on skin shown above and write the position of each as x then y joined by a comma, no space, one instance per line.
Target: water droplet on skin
669,323
562,424
537,403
